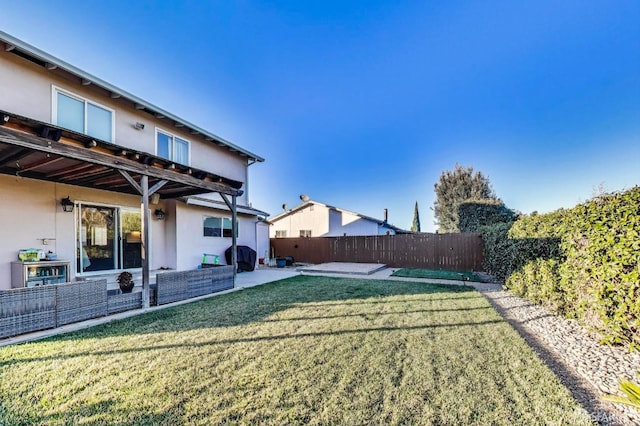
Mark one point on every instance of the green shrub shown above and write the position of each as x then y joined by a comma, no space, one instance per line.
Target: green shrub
499,251
583,262
539,281
474,214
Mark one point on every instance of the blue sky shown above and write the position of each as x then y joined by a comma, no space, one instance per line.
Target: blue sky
362,104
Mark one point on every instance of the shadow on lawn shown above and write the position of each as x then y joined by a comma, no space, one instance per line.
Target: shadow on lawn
73,414
256,303
224,342
374,313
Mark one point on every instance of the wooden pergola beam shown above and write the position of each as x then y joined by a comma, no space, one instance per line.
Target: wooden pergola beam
35,143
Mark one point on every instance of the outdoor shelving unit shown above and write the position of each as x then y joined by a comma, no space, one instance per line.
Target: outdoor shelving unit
32,274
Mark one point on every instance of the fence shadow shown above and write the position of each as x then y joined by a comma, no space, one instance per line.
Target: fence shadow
256,303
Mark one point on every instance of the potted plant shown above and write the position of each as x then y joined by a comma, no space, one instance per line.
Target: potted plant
125,281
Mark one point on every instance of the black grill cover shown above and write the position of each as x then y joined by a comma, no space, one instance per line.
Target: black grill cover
246,257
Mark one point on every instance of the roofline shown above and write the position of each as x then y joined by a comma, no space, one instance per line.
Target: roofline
194,200
306,203
293,210
50,59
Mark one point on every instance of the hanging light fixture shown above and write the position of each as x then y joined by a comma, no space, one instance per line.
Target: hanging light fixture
67,205
159,214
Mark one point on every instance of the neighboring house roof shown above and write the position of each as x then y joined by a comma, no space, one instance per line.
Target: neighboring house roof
50,62
302,206
220,205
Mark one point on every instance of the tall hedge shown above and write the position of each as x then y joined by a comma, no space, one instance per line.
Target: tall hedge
584,263
474,214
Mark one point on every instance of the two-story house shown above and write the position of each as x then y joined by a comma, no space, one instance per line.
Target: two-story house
109,181
315,219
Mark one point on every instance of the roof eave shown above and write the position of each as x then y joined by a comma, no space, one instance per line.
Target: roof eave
219,205
49,59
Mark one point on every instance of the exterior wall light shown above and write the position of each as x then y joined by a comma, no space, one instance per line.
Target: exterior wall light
67,205
139,126
159,214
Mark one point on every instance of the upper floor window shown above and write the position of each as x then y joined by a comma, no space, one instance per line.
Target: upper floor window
172,147
281,234
82,115
305,233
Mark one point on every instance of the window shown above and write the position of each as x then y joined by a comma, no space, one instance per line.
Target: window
305,233
281,234
172,147
81,115
218,227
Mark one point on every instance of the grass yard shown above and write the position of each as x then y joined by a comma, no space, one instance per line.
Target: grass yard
307,350
437,274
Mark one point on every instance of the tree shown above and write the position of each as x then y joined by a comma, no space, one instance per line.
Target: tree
415,227
454,188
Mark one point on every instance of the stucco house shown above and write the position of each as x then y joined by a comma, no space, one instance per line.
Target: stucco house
316,219
109,181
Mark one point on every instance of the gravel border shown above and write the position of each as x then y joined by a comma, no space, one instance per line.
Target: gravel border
588,369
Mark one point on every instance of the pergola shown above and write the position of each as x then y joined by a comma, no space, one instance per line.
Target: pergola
42,151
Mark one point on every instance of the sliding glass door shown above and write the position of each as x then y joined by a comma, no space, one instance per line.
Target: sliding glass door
108,238
131,238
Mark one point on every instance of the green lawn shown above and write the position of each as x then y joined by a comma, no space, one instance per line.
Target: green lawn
307,350
437,274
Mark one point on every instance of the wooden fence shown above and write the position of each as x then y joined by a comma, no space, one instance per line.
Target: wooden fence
458,252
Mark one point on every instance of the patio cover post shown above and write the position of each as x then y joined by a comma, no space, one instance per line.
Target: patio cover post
233,206
144,183
234,242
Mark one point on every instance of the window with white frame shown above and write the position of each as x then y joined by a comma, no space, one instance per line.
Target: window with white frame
81,115
172,147
305,233
281,234
214,226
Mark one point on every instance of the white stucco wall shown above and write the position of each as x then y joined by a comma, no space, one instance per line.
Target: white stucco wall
26,89
191,243
342,223
314,217
23,89
28,212
31,211
325,222
262,238
335,224
382,230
